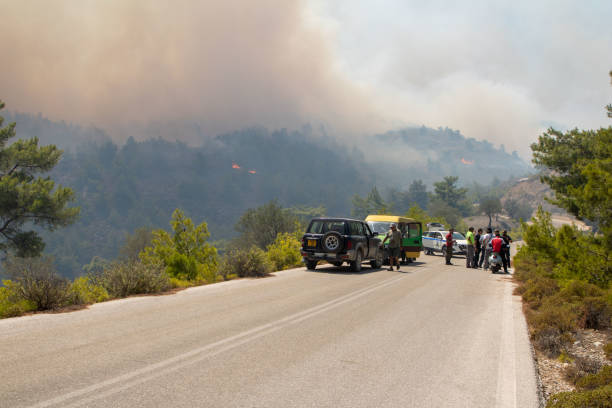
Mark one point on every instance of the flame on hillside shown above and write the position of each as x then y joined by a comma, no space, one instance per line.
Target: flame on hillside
468,162
235,166
252,171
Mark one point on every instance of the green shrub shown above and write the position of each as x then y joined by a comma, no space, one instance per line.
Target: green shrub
251,262
598,398
84,291
96,265
582,367
550,341
11,304
540,236
537,288
589,302
210,275
37,281
127,278
593,381
185,253
582,256
551,327
596,313
528,266
181,283
284,252
577,290
608,350
564,357
181,266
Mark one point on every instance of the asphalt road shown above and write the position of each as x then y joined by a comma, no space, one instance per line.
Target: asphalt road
429,335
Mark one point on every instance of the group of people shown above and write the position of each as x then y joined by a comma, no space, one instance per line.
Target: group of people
480,247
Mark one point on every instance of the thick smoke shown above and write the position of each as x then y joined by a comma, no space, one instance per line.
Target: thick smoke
223,64
497,70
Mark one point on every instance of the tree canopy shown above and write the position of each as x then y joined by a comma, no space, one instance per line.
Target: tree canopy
373,203
490,206
579,164
26,199
402,201
518,209
447,191
260,226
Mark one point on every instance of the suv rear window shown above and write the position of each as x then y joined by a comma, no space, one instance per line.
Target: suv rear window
322,227
356,228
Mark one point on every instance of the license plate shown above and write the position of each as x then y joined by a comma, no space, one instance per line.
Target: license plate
312,242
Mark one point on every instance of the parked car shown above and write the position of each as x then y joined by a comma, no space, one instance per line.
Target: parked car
411,230
339,240
435,241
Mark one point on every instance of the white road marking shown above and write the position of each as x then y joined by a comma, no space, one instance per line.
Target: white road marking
506,369
163,367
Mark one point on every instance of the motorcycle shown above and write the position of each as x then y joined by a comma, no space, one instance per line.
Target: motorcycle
495,262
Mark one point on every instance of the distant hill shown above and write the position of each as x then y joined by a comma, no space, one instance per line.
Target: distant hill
532,191
429,154
66,136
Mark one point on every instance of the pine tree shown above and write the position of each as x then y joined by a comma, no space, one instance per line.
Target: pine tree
28,200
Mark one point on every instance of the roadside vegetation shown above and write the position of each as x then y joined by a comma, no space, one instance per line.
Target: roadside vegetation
565,274
157,261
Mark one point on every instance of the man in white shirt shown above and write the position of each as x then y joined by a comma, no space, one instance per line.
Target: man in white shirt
485,250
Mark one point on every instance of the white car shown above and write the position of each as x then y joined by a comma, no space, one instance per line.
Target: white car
435,241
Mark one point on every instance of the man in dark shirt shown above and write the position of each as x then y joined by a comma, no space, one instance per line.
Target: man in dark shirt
506,251
449,246
395,243
477,247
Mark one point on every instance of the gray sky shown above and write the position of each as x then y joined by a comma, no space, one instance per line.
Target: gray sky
496,70
501,71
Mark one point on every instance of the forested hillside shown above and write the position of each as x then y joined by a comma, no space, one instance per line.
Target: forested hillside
140,183
430,154
121,187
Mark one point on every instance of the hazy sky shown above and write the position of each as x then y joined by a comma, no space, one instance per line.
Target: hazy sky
496,70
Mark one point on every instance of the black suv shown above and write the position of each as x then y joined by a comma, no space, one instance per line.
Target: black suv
338,240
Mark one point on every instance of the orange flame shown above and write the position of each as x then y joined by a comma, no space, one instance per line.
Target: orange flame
235,166
252,171
468,162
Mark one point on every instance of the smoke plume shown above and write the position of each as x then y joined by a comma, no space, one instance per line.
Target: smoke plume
224,64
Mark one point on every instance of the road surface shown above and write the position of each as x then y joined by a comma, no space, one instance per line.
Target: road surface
429,335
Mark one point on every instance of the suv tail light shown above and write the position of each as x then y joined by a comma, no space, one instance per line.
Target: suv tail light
349,244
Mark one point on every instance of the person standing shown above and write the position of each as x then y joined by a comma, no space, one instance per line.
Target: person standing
498,246
477,247
449,246
395,242
486,250
469,256
506,251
